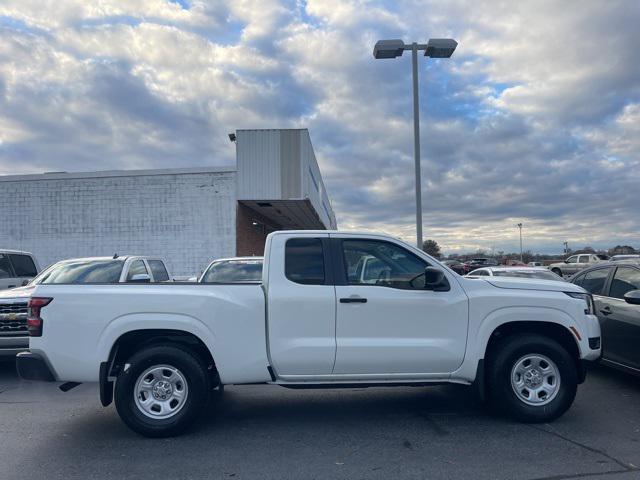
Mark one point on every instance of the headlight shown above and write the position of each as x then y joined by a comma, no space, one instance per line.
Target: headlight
588,298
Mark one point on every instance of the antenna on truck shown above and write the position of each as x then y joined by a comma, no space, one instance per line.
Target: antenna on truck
115,255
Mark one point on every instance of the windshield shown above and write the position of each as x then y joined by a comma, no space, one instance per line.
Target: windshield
233,271
81,271
540,274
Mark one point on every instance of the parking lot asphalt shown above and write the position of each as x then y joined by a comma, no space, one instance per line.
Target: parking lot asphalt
275,433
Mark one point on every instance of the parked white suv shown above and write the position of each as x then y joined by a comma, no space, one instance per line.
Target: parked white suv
16,268
14,336
116,269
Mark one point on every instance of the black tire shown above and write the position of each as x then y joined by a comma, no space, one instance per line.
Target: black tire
502,396
557,271
190,366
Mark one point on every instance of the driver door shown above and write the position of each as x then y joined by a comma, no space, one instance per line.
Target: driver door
386,322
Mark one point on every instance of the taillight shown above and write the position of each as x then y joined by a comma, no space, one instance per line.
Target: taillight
34,321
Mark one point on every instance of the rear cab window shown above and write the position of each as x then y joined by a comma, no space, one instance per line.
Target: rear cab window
304,261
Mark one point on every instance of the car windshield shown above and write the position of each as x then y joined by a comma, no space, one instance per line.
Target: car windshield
81,271
540,274
233,271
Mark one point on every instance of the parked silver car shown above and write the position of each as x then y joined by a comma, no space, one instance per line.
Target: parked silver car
517,272
576,263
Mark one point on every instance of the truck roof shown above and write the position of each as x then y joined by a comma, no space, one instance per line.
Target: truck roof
21,252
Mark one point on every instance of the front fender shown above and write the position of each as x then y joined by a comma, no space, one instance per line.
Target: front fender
505,315
480,332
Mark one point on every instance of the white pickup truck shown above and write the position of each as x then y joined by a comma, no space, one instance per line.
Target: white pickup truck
313,322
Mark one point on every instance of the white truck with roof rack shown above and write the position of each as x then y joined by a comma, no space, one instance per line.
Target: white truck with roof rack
314,322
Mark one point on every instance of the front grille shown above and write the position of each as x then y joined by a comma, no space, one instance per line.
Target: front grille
13,318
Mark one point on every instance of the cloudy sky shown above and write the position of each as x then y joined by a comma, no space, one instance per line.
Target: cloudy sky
536,118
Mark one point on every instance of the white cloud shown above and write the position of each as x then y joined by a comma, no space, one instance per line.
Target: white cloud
534,119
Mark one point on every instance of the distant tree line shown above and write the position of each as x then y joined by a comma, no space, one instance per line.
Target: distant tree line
432,248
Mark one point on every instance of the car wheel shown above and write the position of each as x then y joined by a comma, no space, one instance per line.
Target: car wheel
532,378
163,390
557,271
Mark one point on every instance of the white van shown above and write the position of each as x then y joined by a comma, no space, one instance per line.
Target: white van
16,268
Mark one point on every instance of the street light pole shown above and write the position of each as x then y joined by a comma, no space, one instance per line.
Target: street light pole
416,144
520,227
434,48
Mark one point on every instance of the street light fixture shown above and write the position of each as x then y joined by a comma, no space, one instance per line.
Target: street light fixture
434,48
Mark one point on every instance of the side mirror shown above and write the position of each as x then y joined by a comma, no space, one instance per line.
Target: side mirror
632,297
140,278
435,279
25,282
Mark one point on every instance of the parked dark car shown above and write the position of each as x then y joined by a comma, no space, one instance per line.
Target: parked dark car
474,263
616,293
456,266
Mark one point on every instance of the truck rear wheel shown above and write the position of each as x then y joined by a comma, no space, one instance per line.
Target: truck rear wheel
162,391
532,378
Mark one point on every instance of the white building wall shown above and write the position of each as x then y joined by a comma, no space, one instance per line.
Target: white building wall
188,216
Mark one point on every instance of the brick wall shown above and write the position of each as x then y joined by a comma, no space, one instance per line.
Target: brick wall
250,238
188,219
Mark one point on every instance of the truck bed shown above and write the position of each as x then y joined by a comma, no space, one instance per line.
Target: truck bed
84,321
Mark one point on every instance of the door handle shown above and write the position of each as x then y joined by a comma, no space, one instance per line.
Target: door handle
353,300
606,311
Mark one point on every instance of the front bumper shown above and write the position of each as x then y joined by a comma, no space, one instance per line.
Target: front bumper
591,348
10,346
32,366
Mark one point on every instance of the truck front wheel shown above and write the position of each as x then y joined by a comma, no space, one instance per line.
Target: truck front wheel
532,378
161,391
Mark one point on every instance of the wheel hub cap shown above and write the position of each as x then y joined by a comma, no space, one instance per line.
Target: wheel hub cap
160,391
535,379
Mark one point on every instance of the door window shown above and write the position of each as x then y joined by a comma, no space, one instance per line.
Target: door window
594,280
23,265
159,271
137,268
372,262
573,259
578,280
304,261
5,267
624,280
584,259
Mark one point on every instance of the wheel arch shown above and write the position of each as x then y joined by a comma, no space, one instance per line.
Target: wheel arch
135,340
